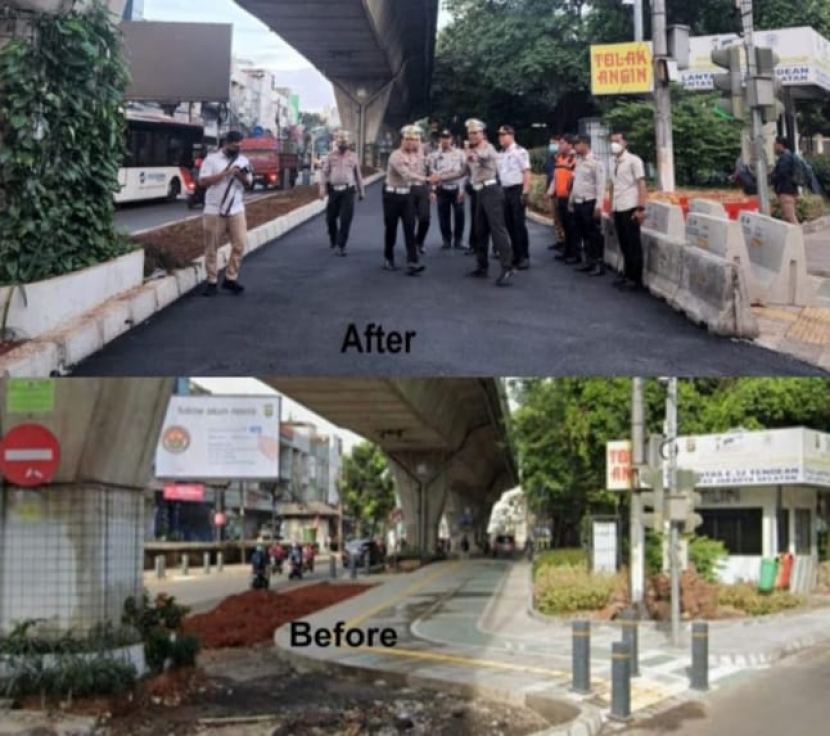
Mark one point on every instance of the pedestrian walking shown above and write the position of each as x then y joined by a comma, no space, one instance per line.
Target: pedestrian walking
449,162
587,197
560,192
628,203
225,174
784,181
341,180
405,168
558,243
514,174
482,163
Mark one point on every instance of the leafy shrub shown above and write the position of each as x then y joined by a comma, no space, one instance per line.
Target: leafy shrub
565,557
568,589
821,168
654,553
708,556
184,651
146,615
538,159
808,207
745,597
26,639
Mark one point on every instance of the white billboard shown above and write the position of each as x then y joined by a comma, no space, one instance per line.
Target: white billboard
220,438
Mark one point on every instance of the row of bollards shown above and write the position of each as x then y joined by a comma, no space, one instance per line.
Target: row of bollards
625,662
161,564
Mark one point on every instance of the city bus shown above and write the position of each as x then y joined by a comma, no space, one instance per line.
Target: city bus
160,156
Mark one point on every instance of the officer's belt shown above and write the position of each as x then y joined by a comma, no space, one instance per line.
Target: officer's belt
341,187
449,187
398,190
582,200
488,183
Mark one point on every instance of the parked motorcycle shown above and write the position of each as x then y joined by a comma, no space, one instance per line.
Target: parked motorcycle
295,570
259,580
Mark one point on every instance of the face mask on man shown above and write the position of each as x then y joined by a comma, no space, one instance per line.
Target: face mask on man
343,147
553,148
617,148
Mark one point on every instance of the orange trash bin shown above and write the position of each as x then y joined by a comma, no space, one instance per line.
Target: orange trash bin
785,569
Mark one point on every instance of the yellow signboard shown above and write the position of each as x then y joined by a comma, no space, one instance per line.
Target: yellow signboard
621,69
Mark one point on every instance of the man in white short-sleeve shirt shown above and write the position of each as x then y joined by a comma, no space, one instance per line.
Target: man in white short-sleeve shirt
628,204
226,174
514,174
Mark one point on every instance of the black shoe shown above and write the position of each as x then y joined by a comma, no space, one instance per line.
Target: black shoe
210,290
599,270
389,266
506,277
233,286
413,269
570,260
619,282
560,257
422,250
469,252
523,264
458,246
632,286
585,267
479,273
342,252
553,246
446,246
332,245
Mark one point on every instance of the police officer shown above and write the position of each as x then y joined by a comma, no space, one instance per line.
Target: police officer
587,196
514,173
482,163
421,192
406,166
448,160
340,180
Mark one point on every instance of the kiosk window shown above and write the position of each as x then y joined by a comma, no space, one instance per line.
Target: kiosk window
803,532
783,531
739,529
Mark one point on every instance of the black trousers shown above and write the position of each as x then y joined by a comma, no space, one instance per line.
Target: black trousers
588,232
449,210
515,218
399,208
628,233
489,223
423,207
340,207
569,226
472,197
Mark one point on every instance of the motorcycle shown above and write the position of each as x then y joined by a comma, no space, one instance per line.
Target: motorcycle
259,580
276,566
295,570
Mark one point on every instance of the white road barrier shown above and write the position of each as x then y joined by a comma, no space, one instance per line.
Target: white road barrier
707,207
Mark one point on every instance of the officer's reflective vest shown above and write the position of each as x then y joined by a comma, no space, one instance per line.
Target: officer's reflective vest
564,174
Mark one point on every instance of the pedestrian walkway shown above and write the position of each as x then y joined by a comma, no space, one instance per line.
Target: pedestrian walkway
468,622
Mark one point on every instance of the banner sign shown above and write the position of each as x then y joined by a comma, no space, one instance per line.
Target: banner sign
220,438
621,69
618,465
184,492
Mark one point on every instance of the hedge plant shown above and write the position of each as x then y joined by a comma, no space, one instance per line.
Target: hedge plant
62,140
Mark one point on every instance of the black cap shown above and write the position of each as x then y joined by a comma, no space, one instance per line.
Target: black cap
234,136
509,129
445,133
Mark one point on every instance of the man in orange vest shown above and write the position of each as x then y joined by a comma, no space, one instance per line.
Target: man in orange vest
560,192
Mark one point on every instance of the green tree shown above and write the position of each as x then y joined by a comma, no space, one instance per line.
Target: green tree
367,488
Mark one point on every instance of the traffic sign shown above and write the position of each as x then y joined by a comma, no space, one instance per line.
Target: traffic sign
258,132
29,455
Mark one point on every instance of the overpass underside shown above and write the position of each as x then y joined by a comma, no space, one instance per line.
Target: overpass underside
446,440
377,53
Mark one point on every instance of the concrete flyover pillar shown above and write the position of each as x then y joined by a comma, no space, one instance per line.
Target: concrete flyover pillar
456,513
421,482
366,111
71,551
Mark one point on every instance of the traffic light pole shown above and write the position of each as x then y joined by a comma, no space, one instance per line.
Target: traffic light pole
638,462
662,97
757,114
671,485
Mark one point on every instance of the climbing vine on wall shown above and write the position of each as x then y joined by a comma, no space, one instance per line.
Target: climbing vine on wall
62,140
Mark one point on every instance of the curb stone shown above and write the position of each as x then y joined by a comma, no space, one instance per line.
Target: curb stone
587,723
56,352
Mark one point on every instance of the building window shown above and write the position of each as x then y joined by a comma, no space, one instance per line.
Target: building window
803,532
739,529
783,517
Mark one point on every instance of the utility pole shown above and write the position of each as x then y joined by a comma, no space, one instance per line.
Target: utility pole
758,151
671,486
662,97
638,461
639,32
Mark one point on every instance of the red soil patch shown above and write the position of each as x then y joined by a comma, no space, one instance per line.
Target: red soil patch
251,617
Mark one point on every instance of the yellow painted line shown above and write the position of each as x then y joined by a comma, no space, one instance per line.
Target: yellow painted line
401,596
776,314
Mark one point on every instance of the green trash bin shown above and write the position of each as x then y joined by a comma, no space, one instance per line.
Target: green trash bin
769,572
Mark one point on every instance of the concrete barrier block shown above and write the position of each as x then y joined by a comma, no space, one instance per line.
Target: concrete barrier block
115,319
186,279
724,238
666,219
32,360
613,254
777,260
82,339
142,305
167,291
712,292
707,207
662,265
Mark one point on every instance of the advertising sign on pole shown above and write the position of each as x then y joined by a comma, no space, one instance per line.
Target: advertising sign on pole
220,438
622,69
618,465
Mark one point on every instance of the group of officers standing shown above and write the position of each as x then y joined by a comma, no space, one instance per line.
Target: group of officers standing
498,186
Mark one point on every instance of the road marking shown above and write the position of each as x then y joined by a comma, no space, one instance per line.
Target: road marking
389,602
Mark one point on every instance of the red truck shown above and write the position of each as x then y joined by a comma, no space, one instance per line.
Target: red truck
272,167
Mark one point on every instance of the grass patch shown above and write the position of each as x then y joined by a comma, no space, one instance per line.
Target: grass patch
745,597
564,588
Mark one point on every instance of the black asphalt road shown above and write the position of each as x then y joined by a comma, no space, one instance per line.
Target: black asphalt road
300,301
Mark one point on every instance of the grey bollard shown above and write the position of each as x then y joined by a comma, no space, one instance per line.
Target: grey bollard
620,682
700,656
185,565
332,567
631,638
368,562
353,566
159,566
220,561
581,657
206,562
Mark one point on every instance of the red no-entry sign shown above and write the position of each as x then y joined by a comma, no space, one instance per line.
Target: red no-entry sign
29,455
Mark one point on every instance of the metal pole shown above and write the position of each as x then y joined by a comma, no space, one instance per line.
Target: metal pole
639,32
353,565
581,657
758,150
206,563
674,562
159,566
662,98
631,639
220,561
333,566
185,564
637,562
620,682
700,656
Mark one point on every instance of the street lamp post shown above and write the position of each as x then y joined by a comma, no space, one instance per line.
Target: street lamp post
361,95
422,471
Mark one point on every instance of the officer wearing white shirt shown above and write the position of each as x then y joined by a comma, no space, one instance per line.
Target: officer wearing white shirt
514,174
448,160
226,174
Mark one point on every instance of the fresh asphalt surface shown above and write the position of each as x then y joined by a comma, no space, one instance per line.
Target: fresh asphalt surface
300,301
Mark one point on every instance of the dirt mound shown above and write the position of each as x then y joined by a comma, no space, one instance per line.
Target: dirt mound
251,617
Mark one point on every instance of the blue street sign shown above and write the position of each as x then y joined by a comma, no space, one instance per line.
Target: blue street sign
258,132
